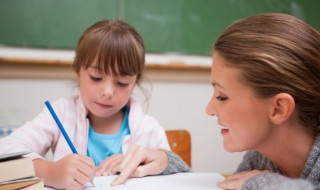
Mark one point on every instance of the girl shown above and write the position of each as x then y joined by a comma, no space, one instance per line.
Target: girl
103,121
266,78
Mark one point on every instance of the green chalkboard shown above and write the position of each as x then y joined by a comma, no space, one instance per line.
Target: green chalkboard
167,26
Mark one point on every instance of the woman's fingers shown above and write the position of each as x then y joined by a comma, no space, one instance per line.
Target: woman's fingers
235,181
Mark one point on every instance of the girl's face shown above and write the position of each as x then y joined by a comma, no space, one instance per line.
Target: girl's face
242,115
104,95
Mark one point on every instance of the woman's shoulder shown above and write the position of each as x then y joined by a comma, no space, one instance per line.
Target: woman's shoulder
254,157
253,154
253,160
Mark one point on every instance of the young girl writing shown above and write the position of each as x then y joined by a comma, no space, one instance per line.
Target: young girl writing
103,121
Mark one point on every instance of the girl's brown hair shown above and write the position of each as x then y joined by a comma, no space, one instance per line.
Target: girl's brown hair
115,45
277,53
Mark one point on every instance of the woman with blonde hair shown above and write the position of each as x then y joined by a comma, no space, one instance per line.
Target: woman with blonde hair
266,78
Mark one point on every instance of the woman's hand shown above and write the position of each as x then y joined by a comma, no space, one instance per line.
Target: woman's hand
235,181
71,172
141,161
110,165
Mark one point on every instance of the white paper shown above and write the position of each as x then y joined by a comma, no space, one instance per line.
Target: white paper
185,181
179,181
103,183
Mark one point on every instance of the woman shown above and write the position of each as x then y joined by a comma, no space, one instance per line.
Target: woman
266,78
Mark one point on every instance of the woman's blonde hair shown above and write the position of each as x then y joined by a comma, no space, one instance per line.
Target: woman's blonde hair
277,53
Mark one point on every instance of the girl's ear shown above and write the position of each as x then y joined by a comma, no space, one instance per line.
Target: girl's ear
283,106
78,77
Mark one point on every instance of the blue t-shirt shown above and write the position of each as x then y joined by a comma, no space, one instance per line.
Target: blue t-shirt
101,146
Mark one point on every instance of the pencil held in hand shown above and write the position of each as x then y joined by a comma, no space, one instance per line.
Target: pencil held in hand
63,131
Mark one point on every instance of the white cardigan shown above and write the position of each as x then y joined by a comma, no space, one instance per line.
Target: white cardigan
42,133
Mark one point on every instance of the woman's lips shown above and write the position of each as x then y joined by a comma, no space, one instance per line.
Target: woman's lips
224,131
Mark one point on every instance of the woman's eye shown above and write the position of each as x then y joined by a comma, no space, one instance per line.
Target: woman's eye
95,78
221,98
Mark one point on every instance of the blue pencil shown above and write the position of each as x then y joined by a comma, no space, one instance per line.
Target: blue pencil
63,131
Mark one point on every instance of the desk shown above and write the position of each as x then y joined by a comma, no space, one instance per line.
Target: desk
179,181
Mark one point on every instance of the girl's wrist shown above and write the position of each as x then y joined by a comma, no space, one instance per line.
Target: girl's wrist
44,169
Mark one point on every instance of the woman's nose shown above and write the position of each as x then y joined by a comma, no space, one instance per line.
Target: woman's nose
211,107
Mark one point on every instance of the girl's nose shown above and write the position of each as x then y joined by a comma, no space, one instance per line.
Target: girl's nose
107,91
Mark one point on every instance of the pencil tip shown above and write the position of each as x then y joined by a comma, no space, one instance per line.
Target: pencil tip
92,183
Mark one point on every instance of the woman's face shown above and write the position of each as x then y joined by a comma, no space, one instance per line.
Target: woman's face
242,115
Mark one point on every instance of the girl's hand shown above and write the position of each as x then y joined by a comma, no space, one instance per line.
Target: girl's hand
235,181
110,165
141,161
71,172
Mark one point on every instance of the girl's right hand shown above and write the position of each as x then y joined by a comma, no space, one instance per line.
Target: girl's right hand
71,172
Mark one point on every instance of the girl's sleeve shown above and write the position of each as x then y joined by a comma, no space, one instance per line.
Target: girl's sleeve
35,136
175,164
156,134
275,181
162,139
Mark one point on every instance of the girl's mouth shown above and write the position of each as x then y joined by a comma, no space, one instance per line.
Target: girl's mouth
104,106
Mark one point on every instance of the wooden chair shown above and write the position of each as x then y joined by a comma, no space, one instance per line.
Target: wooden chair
180,143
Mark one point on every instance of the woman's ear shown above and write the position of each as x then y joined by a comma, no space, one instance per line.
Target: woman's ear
283,106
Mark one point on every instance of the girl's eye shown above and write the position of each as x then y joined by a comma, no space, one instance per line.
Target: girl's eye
95,78
221,98
122,84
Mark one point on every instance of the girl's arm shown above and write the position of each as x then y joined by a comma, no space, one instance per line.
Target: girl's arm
142,161
36,136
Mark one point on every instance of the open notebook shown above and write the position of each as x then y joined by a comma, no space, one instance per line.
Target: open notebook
183,181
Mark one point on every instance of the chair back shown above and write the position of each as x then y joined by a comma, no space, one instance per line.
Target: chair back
180,143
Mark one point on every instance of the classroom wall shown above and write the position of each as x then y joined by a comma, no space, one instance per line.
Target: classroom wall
177,105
